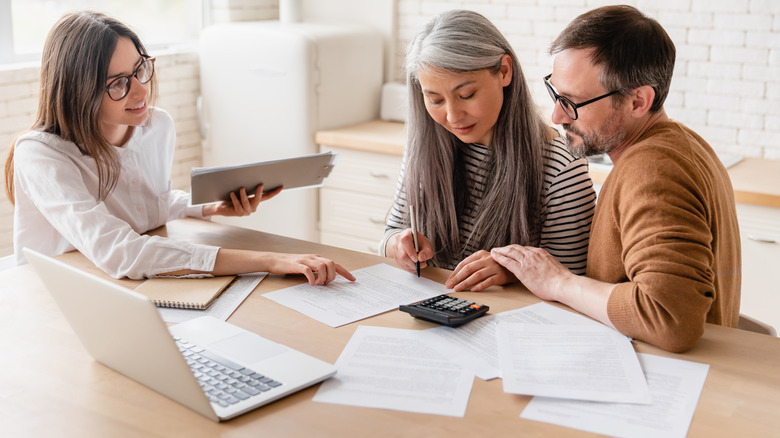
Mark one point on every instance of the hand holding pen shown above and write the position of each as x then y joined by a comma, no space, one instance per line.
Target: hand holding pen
414,235
410,248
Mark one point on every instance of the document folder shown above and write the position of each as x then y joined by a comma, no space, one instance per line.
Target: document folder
212,184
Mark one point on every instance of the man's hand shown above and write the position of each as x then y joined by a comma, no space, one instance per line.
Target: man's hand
549,280
536,268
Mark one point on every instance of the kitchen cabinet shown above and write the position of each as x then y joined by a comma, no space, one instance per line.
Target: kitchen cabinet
355,199
757,191
759,228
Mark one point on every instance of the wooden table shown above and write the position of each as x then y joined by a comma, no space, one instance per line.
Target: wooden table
50,386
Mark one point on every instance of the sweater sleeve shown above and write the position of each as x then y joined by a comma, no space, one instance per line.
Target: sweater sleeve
666,252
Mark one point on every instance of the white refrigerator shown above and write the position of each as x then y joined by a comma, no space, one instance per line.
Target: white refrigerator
268,86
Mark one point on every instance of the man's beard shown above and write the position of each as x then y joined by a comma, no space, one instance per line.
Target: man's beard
602,141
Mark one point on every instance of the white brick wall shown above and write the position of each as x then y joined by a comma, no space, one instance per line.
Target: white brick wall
178,91
726,84
18,105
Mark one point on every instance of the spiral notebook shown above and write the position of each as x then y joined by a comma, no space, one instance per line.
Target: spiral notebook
184,293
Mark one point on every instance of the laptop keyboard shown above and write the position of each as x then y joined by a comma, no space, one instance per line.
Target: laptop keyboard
224,381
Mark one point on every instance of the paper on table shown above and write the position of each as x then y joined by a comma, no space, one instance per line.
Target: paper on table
475,344
224,306
582,362
394,369
471,345
675,386
378,288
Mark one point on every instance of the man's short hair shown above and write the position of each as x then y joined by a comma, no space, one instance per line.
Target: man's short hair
633,49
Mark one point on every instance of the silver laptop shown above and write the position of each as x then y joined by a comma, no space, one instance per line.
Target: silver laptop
208,365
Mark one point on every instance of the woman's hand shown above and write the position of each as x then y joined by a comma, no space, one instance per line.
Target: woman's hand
401,247
477,272
318,270
241,205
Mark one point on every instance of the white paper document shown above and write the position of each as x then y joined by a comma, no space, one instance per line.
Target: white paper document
223,306
675,386
378,288
472,345
395,369
581,362
475,344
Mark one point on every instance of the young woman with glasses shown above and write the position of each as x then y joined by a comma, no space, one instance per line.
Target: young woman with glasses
93,172
481,168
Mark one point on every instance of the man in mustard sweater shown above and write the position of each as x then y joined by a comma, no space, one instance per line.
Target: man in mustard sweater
664,255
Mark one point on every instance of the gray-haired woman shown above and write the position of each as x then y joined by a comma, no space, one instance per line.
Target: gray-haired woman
481,168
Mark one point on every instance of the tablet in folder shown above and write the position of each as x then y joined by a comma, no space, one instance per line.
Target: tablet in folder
212,184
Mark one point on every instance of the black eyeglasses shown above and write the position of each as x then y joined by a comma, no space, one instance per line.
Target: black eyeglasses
569,107
119,87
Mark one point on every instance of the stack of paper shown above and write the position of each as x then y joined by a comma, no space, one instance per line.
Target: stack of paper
581,373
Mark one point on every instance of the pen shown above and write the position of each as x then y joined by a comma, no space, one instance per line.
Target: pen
414,235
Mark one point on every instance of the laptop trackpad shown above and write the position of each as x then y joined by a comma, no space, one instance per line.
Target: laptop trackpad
247,348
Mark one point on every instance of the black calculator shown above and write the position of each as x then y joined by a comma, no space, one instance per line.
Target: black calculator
446,310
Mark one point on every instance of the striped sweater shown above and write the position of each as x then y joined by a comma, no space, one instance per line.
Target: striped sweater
567,205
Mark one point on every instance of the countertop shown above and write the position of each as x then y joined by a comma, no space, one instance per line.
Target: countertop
755,180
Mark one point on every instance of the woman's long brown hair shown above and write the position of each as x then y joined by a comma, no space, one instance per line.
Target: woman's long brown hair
74,68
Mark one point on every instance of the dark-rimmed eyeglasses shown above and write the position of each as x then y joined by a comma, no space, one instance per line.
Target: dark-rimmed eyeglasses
119,87
569,107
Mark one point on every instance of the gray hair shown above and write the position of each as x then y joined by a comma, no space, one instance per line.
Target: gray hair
465,41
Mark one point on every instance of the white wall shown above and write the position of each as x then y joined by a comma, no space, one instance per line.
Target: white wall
18,104
377,14
726,84
223,11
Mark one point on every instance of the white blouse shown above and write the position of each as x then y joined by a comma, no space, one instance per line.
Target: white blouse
57,208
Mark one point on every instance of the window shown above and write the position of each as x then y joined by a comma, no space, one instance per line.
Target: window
24,24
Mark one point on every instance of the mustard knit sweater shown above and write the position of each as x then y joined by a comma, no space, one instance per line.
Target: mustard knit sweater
666,229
